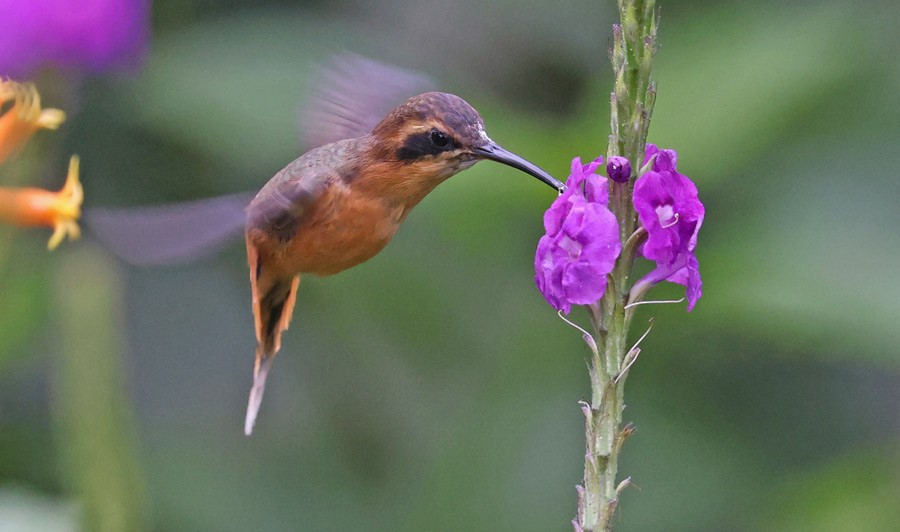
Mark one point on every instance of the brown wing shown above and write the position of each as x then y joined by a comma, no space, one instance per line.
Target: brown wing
352,94
279,207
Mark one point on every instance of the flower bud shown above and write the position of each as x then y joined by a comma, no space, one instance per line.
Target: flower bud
618,169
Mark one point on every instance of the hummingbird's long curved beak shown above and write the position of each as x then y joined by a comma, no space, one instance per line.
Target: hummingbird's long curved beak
495,152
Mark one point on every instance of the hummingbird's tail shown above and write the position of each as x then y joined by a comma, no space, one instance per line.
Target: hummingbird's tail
260,371
272,315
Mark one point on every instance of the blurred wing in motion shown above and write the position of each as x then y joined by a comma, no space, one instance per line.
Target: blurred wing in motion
351,94
172,233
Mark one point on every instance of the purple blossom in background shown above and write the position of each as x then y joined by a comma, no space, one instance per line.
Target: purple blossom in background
670,211
92,35
582,241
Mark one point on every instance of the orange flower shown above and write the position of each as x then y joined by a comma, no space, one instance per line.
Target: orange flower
20,122
36,206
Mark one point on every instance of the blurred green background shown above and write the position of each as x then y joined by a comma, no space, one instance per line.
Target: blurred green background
432,388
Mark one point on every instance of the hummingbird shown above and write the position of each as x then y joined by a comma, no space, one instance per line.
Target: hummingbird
339,204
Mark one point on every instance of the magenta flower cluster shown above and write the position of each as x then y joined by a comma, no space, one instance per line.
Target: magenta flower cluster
582,243
89,35
669,209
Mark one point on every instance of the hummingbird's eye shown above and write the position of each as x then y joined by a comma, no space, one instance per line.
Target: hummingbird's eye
424,144
439,139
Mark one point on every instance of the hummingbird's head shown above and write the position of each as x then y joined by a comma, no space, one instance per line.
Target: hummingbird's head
442,134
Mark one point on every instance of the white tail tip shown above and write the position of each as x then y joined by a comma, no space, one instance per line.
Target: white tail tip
256,393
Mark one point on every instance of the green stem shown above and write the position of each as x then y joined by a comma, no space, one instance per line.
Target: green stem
603,416
96,433
634,44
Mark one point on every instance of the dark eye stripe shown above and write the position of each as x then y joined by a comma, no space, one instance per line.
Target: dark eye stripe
420,145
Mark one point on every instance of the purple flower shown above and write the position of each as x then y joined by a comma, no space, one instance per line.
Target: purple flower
670,211
582,241
93,35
